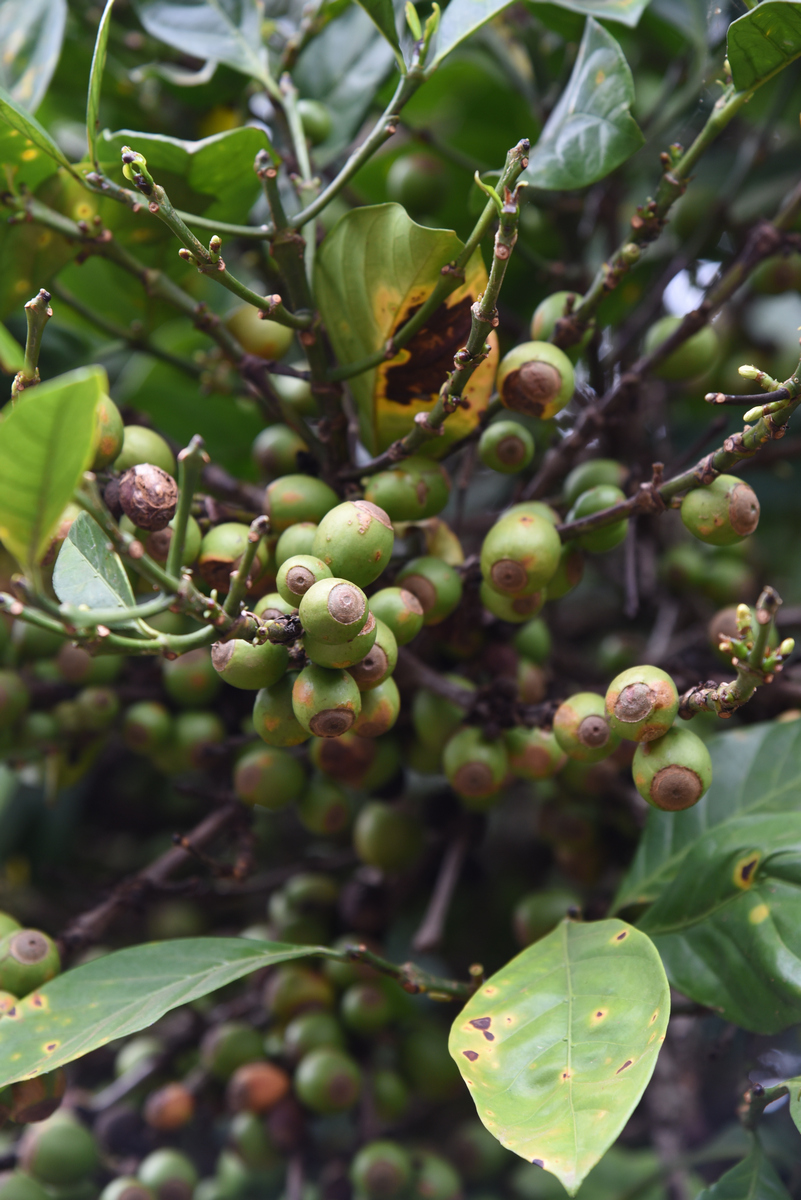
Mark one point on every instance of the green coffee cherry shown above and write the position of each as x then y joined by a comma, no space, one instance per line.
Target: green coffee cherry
427,1064
16,1185
247,665
98,708
110,433
520,554
366,1008
310,1031
378,663
146,727
274,718
34,1099
14,698
777,274
506,446
76,666
347,654
582,728
532,508
355,540
693,358
479,1155
325,702
380,710
170,1174
533,753
273,605
674,771
270,778
297,574
592,474
722,513
292,989
413,490
324,807
435,720
328,1081
38,729
258,335
316,120
298,539
381,1170
552,309
333,611
296,394
28,958
59,1151
191,680
194,733
569,573
437,586
126,1187
390,1095
535,378
364,763
228,1046
538,913
515,609
418,182
533,641
8,924
247,1133
221,553
400,610
599,541
436,1179
475,767
387,837
32,643
276,450
142,445
642,703
294,498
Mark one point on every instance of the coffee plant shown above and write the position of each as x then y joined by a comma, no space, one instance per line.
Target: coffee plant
395,496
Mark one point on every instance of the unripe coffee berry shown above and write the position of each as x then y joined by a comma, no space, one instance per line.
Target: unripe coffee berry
364,763
258,335
552,309
345,654
400,610
435,719
58,1152
693,357
387,837
674,771
722,513
271,778
582,728
228,1046
274,718
514,609
381,1170
520,554
273,605
148,496
195,734
475,767
325,702
606,537
380,710
390,1095
324,808
333,611
110,433
170,1174
298,539
142,445
256,1087
293,989
642,703
535,378
191,680
414,489
569,573
125,1187
538,913
379,662
28,958
247,665
437,586
294,498
436,1179
355,540
506,446
169,1108
592,474
316,120
297,574
533,753
37,1099
221,553
276,450
328,1081
309,1031
16,1185
14,698
366,1008
97,708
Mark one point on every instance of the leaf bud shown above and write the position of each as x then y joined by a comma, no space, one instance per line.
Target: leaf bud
787,646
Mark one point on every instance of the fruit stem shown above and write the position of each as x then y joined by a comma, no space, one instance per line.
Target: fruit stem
190,466
259,528
412,979
37,312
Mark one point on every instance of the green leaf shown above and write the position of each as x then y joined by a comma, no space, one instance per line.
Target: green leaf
626,12
12,355
382,14
13,114
96,81
558,1046
31,33
374,270
227,31
88,572
763,42
47,440
752,1179
727,926
591,131
121,993
754,770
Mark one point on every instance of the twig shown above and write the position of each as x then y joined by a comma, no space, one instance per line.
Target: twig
38,312
432,927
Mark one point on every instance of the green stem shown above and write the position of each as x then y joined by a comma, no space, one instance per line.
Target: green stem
239,578
412,979
37,312
81,618
190,467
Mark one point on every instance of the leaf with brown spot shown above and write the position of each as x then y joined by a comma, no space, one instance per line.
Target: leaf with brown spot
558,1085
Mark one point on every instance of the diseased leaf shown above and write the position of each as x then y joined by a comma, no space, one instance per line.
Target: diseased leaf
558,1046
96,80
31,34
15,116
763,42
591,131
754,770
727,926
12,355
47,440
752,1179
374,270
121,993
88,572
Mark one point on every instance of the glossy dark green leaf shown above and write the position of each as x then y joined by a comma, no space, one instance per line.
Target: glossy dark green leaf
88,572
756,769
382,14
12,355
227,31
31,34
558,1046
47,440
96,80
13,114
727,926
763,42
591,131
752,1179
625,12
121,993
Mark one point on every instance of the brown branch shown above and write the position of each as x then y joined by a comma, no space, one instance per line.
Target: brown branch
432,927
